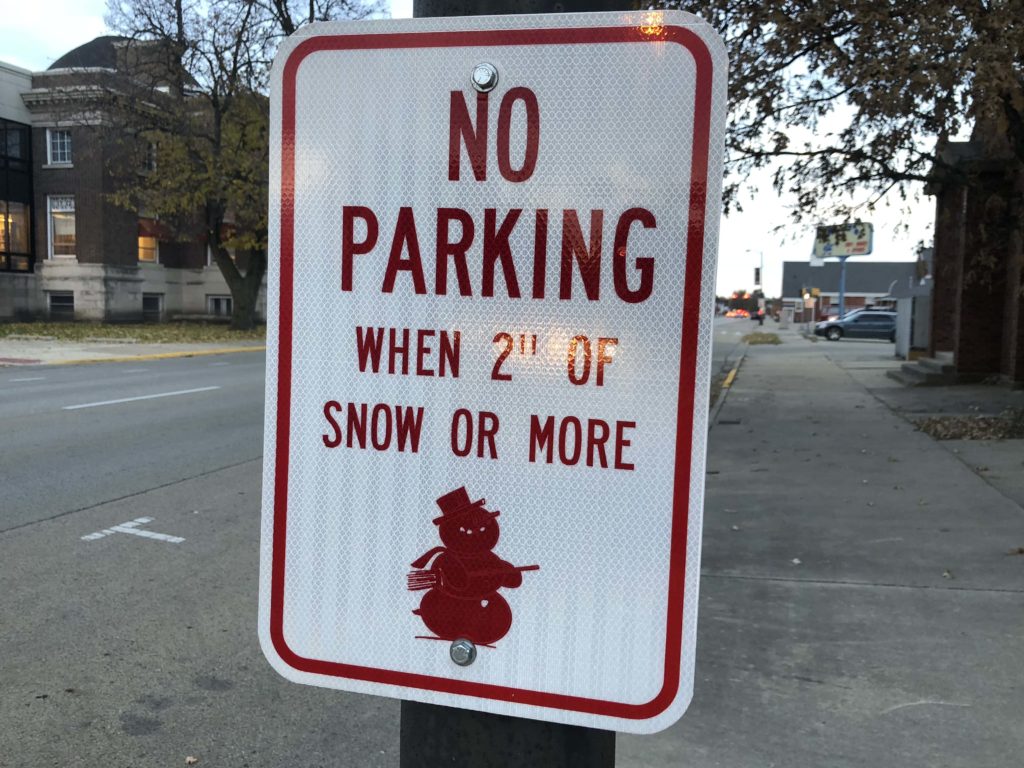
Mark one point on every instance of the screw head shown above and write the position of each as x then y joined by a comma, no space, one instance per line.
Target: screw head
463,652
485,77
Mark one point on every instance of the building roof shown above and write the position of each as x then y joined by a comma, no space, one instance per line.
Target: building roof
100,52
861,276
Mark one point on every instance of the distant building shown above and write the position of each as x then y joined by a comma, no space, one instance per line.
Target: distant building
867,283
66,251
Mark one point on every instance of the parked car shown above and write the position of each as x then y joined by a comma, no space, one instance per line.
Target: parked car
859,324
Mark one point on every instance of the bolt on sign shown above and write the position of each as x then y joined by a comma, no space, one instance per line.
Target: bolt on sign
493,257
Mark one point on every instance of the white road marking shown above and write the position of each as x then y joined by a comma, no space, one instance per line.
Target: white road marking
220,364
140,397
29,378
132,527
136,370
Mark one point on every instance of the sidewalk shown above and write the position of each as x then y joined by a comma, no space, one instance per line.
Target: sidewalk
17,352
859,605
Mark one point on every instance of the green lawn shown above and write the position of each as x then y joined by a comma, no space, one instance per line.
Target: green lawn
162,333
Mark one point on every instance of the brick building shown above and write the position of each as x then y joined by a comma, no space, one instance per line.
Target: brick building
978,308
66,251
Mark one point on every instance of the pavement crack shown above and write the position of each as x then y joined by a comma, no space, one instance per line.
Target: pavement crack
867,584
128,495
922,703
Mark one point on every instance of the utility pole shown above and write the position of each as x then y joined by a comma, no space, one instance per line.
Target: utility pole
434,736
842,285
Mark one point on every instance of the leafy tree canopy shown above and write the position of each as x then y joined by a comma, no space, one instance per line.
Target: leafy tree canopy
899,79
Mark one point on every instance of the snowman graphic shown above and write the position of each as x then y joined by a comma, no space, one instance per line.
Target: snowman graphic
462,577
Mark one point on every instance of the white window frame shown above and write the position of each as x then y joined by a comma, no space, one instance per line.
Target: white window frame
160,303
211,298
50,295
209,255
50,159
64,204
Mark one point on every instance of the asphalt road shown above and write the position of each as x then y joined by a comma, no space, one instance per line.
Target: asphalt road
728,340
59,456
129,530
65,446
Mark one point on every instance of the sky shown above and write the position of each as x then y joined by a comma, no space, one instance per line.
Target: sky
36,32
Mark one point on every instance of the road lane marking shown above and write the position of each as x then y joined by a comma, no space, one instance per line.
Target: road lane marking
132,527
140,397
212,364
29,378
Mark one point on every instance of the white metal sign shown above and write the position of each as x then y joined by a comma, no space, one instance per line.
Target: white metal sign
838,241
493,247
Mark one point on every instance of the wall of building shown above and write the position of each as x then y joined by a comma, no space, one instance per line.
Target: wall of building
105,234
104,292
13,82
105,276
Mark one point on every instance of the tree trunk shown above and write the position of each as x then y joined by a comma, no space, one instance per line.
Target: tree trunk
245,294
245,288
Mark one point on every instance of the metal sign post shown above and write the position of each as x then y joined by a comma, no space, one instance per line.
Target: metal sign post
489,325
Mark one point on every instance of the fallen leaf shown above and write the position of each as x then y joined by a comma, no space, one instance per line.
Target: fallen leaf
796,561
190,760
947,574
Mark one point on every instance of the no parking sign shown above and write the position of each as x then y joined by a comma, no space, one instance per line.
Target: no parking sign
491,293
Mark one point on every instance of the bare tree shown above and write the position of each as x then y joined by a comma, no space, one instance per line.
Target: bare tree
195,99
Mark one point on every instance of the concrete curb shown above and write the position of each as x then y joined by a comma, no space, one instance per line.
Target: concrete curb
159,356
726,386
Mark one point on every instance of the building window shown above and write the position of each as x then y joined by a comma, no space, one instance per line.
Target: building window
62,305
15,249
16,252
149,249
62,226
211,262
58,146
218,306
149,161
152,307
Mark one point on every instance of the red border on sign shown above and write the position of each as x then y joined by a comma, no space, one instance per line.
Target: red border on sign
687,369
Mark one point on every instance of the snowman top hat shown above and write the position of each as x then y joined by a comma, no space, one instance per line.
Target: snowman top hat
456,503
